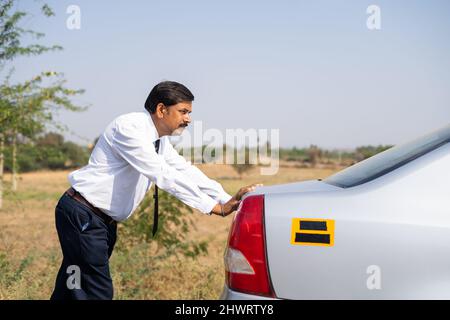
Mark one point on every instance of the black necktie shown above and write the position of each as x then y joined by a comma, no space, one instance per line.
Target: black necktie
155,197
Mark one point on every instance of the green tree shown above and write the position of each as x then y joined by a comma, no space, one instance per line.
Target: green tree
314,155
50,139
242,168
48,151
59,154
31,108
75,156
27,107
11,34
364,152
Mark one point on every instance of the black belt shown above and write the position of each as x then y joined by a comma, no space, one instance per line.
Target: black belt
74,194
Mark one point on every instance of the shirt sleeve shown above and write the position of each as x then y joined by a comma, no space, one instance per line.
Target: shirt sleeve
136,148
207,185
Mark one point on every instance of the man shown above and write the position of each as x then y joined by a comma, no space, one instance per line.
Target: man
132,153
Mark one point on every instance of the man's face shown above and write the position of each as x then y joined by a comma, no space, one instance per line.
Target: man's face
176,117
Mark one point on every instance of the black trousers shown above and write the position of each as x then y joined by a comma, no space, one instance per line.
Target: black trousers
87,243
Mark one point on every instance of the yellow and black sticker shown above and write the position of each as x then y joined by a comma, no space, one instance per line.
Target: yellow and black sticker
312,232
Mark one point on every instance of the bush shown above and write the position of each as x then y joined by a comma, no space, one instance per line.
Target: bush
175,222
365,152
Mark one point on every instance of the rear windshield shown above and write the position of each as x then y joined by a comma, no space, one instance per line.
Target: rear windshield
389,160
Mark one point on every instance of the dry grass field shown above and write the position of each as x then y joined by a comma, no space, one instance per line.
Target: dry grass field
30,253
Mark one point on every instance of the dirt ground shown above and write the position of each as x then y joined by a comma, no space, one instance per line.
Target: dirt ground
30,253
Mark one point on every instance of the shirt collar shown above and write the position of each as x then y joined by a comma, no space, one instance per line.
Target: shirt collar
152,125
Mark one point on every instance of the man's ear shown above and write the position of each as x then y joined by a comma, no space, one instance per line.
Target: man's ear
160,110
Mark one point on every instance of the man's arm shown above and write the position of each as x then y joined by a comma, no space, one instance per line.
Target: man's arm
207,185
226,203
130,142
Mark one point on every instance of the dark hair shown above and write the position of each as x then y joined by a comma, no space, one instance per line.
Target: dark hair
168,93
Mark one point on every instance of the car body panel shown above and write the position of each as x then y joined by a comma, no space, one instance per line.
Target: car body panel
296,187
228,294
399,223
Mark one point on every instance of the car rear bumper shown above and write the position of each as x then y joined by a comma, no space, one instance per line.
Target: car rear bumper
229,294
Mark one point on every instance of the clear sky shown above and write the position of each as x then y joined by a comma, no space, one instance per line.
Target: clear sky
311,69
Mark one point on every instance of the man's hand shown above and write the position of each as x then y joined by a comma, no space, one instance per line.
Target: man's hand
234,202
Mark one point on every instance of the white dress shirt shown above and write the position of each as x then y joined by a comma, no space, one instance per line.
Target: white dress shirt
124,164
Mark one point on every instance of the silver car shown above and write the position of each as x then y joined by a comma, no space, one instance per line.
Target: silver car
379,229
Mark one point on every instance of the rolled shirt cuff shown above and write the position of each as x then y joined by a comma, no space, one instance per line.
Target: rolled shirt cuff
224,197
207,205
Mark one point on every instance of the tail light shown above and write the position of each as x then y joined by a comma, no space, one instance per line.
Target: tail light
245,257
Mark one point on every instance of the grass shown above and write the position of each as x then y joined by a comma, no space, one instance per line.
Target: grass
30,253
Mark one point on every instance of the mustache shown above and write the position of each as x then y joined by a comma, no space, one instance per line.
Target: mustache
184,125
